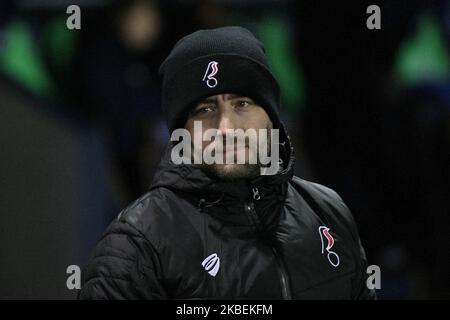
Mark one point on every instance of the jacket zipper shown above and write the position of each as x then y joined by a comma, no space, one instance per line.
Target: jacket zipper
285,290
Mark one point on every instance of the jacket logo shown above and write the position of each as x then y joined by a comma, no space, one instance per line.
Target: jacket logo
211,264
211,71
325,235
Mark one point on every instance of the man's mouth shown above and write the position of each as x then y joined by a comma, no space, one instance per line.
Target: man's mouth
236,152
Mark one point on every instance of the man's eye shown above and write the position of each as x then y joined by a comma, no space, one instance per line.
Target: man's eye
203,109
243,103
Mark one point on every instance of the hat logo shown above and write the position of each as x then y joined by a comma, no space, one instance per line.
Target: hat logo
211,71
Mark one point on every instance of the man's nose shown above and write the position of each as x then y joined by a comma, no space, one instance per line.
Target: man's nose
225,122
226,119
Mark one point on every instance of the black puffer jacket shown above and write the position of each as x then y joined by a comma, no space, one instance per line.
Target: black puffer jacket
190,237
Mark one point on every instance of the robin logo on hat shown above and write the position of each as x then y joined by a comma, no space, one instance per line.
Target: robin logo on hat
211,71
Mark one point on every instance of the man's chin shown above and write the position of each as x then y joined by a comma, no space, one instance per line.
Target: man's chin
231,172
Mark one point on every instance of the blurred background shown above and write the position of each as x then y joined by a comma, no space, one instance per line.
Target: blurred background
81,128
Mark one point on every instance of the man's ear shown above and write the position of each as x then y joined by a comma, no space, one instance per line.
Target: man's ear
186,124
269,124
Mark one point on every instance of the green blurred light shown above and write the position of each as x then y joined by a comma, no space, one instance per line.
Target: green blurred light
20,60
423,57
280,53
60,41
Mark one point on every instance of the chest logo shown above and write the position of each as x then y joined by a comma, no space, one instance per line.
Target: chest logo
328,243
211,71
211,264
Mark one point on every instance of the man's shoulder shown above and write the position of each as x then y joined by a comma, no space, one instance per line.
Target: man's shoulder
148,210
315,190
323,200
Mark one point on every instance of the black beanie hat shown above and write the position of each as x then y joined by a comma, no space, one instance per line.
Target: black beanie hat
215,61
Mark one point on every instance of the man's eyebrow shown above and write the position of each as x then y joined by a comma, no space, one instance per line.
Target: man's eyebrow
207,100
237,96
213,99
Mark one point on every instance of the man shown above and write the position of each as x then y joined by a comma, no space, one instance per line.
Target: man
227,230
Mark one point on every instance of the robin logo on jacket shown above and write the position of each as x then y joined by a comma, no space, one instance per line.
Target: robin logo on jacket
325,237
211,71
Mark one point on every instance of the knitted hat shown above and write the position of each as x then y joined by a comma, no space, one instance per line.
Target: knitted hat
217,61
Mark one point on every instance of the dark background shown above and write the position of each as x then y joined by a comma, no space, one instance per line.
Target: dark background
81,127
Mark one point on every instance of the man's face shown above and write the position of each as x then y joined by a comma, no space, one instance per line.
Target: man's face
230,111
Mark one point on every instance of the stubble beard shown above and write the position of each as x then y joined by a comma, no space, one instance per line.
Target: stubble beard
234,171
